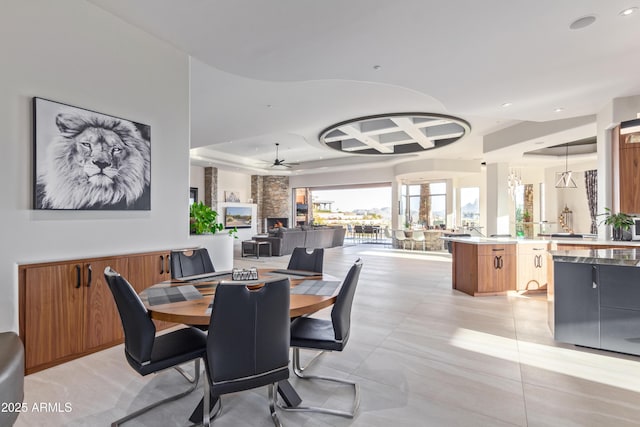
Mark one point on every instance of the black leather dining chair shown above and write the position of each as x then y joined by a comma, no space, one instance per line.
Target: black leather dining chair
327,335
146,352
190,262
301,259
248,341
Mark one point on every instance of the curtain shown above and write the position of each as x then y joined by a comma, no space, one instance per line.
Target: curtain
591,185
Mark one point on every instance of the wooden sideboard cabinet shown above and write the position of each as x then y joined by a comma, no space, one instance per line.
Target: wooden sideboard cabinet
485,269
629,176
67,310
533,266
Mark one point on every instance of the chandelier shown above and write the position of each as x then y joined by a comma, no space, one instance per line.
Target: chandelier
564,180
514,180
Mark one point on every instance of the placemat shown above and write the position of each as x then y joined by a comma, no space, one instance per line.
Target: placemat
157,296
316,287
206,277
297,273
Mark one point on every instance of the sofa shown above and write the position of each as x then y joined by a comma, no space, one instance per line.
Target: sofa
11,377
285,240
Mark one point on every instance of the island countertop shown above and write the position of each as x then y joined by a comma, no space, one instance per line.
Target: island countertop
621,257
478,240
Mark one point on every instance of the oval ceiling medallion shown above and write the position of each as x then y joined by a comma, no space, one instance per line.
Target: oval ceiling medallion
397,133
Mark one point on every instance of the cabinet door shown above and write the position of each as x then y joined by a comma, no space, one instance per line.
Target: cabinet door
630,179
576,304
532,267
147,270
101,318
53,317
496,273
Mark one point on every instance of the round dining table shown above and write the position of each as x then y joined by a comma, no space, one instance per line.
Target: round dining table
197,311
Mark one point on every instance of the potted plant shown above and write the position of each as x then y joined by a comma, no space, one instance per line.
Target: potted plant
205,232
203,219
619,222
526,216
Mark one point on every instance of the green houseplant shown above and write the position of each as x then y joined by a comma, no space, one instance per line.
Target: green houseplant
619,222
204,220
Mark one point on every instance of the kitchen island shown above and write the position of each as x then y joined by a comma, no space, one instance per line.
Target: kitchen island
495,266
596,301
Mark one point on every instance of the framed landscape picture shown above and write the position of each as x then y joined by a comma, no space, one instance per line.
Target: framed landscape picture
239,217
88,160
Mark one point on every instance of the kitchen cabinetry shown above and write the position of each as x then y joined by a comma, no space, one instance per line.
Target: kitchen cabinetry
629,176
533,261
66,309
486,269
598,306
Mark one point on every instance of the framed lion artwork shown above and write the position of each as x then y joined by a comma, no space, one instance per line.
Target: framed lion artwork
88,160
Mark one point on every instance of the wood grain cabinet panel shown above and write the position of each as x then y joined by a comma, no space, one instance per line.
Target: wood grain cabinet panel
484,269
147,270
53,317
629,182
67,310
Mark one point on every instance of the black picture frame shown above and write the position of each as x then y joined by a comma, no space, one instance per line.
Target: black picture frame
86,160
193,195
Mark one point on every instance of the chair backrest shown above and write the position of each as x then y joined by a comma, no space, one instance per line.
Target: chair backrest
189,262
399,234
418,235
307,261
387,233
358,228
341,312
139,330
249,331
367,229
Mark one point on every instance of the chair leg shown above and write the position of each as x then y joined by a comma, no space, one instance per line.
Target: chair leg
207,419
272,404
141,411
299,371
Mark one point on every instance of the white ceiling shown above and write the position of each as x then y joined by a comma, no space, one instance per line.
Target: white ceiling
284,70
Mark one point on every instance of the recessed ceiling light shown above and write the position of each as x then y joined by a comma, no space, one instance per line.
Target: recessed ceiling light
539,142
558,110
377,67
507,104
629,11
580,23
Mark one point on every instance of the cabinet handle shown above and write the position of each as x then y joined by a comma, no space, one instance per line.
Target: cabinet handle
161,264
495,250
78,276
167,267
594,277
89,275
495,262
500,262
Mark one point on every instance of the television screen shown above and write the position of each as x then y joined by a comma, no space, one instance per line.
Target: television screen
239,217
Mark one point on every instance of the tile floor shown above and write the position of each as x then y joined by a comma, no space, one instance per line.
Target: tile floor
423,354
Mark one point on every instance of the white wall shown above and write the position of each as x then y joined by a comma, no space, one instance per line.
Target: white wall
196,179
240,183
72,52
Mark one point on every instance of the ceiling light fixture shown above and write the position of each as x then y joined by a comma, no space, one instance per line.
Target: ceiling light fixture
583,22
506,104
377,67
564,179
558,110
628,11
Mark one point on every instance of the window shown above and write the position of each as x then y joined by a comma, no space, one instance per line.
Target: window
470,206
424,205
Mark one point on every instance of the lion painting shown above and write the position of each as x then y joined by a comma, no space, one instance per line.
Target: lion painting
96,162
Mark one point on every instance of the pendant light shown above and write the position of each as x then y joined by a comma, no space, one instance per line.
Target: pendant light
565,180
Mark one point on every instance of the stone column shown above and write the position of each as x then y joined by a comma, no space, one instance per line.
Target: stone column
425,205
256,195
211,187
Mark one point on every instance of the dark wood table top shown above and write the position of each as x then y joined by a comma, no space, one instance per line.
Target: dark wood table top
195,312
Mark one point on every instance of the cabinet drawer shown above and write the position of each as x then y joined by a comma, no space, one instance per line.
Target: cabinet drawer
496,249
537,248
619,287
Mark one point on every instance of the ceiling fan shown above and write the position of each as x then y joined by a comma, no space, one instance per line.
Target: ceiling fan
280,163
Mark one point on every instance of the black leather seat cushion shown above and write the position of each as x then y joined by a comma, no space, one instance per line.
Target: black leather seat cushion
171,349
309,332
